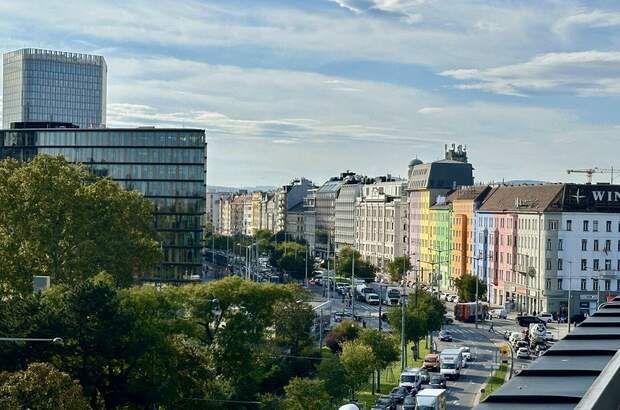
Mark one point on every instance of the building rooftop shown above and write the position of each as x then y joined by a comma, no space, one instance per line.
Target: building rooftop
580,371
523,198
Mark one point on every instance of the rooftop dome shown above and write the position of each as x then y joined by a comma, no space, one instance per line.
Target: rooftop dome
415,162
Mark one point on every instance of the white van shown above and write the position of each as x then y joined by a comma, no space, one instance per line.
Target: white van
450,363
431,399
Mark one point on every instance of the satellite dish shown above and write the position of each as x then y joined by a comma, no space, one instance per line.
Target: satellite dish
531,271
349,406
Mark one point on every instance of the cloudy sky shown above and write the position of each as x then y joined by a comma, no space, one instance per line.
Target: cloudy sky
313,87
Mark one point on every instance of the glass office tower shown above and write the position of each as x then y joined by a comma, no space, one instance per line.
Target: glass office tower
54,86
167,165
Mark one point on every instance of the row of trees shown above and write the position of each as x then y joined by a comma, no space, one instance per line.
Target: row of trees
196,346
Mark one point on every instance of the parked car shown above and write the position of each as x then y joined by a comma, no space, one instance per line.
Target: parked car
523,352
384,403
398,394
545,317
520,343
431,362
527,320
548,335
445,336
437,381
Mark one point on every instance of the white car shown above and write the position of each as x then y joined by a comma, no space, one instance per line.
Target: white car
523,353
545,317
548,335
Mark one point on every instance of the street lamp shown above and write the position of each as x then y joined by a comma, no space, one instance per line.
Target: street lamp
55,340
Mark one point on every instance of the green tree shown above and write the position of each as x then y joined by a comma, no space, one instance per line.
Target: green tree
344,264
292,320
398,267
60,221
40,387
306,394
342,332
290,257
358,361
466,286
333,373
384,348
423,313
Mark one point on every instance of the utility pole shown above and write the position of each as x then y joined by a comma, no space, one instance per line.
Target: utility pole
306,265
570,276
403,343
476,317
352,289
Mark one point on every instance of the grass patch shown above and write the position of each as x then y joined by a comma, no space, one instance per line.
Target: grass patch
389,376
495,382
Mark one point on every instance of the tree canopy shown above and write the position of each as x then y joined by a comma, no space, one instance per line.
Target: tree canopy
466,286
58,220
423,313
398,267
344,264
40,387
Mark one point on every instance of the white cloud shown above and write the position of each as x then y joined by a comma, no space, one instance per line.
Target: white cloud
430,110
595,18
583,73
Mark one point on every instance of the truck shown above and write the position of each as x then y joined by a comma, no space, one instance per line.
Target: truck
389,295
431,399
450,363
361,291
466,312
536,335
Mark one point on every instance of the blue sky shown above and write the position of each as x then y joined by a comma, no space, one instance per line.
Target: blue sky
314,87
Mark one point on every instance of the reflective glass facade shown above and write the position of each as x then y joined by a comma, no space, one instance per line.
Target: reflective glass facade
54,86
167,165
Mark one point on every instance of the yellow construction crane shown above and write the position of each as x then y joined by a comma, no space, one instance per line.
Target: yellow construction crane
591,171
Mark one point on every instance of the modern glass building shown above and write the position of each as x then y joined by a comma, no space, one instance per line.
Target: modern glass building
54,86
167,165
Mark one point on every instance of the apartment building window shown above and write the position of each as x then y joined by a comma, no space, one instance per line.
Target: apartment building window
595,264
584,264
560,245
569,225
595,246
594,226
584,244
548,244
548,264
607,284
608,226
594,284
553,225
607,245
560,284
607,264
586,226
584,285
560,264
548,284
618,267
618,284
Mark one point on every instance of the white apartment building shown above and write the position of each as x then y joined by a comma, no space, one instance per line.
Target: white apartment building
344,216
561,237
380,229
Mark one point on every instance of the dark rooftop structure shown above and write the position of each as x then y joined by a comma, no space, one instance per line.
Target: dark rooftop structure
581,371
450,172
